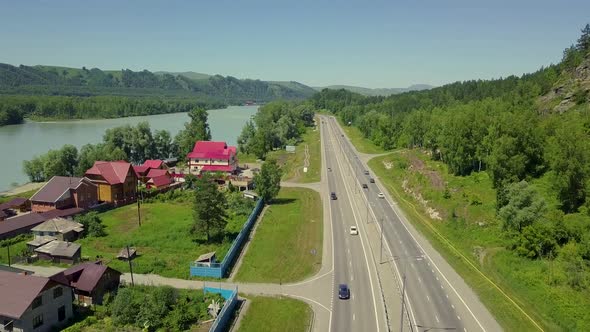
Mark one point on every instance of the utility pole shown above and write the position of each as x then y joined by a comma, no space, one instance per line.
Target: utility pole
138,212
130,265
8,248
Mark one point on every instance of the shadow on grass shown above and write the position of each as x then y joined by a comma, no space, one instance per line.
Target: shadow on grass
282,201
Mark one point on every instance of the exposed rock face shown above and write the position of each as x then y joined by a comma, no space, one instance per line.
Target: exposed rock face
573,89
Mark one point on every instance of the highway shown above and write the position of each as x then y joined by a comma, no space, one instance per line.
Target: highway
436,298
364,311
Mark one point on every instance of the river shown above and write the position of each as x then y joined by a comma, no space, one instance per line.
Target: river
24,141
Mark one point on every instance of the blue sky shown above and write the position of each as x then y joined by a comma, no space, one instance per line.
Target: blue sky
365,43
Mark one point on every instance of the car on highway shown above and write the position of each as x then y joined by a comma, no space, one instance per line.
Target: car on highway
366,172
380,195
365,186
354,230
371,180
333,196
329,169
343,292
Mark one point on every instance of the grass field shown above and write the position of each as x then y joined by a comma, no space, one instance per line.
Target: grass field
469,237
362,144
287,246
163,241
15,249
292,163
269,314
26,194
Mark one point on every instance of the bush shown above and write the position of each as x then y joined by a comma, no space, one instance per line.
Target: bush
92,224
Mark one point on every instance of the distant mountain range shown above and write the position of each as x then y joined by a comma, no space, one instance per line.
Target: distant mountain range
379,91
52,80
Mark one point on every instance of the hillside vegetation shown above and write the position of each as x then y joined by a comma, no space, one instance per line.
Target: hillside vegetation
46,92
505,164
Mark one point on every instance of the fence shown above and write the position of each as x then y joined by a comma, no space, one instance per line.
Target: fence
224,317
219,270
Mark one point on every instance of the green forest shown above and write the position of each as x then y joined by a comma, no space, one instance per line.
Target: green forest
530,135
45,92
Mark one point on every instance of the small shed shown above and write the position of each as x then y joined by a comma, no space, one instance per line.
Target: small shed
60,252
126,255
39,241
290,148
206,259
250,194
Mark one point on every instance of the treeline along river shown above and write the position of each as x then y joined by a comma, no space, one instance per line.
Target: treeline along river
24,141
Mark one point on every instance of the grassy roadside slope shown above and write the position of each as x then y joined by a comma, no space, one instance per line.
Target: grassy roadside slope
276,314
287,246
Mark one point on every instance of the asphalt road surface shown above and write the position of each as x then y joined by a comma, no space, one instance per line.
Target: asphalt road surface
432,303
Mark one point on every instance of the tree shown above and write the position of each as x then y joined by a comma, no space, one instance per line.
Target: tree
583,44
195,130
163,145
92,224
569,155
209,208
268,181
125,307
524,207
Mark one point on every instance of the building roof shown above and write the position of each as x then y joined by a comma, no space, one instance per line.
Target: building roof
15,202
59,225
206,257
58,188
114,172
212,150
59,248
155,172
41,240
160,181
140,169
123,253
18,292
61,213
3,214
217,168
153,163
83,276
23,221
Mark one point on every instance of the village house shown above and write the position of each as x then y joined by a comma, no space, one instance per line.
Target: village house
116,181
63,192
60,252
158,179
24,223
60,228
90,281
209,156
31,303
12,207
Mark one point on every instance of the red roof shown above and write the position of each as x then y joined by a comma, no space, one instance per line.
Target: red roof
155,172
114,172
212,150
153,163
139,170
217,168
160,181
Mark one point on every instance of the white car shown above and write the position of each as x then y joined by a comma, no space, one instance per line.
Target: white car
354,230
380,195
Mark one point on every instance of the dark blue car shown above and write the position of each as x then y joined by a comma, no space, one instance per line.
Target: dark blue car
343,291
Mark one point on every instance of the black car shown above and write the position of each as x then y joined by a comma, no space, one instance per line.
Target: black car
371,180
343,291
365,186
366,172
333,196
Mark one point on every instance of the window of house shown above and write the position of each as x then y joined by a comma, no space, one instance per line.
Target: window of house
37,302
61,313
57,292
37,321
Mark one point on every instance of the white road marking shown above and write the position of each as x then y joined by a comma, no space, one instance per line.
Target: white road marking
353,296
441,287
459,318
353,317
437,279
428,298
447,295
453,306
437,320
432,270
420,279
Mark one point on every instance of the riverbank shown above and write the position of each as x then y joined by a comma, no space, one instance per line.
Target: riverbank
22,189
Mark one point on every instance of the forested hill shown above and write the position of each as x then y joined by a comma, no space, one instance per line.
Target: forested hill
377,91
49,80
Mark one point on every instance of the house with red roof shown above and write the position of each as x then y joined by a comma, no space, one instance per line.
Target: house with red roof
158,179
210,156
116,181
